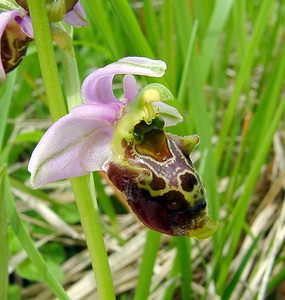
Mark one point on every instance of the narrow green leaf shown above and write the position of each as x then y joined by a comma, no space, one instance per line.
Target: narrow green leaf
146,268
236,277
3,239
172,278
209,44
97,15
5,100
169,47
132,28
27,243
244,73
183,23
185,263
239,213
187,65
151,24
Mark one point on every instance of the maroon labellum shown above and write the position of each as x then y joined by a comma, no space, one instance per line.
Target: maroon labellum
160,183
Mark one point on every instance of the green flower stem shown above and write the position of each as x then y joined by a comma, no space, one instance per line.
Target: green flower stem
4,240
82,186
72,91
90,222
47,59
71,78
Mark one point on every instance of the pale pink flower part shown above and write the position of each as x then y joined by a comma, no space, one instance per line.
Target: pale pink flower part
77,16
80,142
26,25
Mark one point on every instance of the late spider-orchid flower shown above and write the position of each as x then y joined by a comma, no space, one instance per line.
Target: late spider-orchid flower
126,139
15,35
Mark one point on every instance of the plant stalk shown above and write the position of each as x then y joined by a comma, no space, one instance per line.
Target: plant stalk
4,240
82,186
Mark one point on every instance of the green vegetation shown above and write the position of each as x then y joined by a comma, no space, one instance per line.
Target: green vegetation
226,69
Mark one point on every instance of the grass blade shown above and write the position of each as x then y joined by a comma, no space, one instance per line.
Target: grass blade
239,212
183,24
3,239
6,97
27,243
218,19
168,50
243,74
132,28
96,12
235,279
151,25
146,268
187,65
185,263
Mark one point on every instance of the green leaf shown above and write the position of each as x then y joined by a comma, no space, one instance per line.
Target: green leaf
33,137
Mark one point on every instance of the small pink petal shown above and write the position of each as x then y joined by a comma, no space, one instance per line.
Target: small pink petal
76,17
130,87
71,147
97,87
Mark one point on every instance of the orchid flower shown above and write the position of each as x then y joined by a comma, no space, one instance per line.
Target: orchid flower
16,32
126,139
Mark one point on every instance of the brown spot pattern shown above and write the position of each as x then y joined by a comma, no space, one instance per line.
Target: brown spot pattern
188,181
157,183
